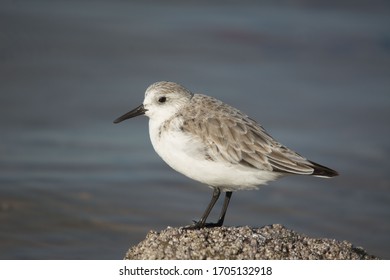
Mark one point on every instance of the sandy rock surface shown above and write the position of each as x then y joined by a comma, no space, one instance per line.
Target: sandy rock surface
242,243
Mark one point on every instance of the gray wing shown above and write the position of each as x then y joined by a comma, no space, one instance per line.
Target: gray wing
230,135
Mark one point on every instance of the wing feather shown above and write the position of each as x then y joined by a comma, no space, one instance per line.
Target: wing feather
230,135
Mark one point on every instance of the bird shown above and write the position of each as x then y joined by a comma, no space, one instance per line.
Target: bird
216,144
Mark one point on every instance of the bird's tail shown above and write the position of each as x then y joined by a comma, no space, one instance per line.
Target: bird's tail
323,171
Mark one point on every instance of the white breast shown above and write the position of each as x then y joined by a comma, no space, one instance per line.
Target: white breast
186,154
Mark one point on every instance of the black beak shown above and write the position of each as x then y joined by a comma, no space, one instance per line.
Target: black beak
140,110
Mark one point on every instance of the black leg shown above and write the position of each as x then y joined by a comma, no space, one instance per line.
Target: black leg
202,222
228,195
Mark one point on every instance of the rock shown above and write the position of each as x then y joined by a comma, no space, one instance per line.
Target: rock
274,242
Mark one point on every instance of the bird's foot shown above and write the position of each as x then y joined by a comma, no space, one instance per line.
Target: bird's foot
201,224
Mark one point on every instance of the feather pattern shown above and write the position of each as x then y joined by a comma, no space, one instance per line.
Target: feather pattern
229,134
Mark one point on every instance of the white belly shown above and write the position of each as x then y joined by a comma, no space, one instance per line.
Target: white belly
186,155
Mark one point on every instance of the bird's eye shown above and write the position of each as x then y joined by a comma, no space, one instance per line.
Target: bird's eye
162,99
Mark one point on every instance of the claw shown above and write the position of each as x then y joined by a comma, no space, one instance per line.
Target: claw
199,225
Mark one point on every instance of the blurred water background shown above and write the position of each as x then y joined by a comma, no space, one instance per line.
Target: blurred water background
73,185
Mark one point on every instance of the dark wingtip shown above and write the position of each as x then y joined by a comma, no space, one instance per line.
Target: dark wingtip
323,171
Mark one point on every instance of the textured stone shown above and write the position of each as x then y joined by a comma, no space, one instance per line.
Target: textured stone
242,243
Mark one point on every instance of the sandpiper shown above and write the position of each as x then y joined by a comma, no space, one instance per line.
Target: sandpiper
216,144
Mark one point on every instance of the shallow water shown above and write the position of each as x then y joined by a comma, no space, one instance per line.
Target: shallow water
75,186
